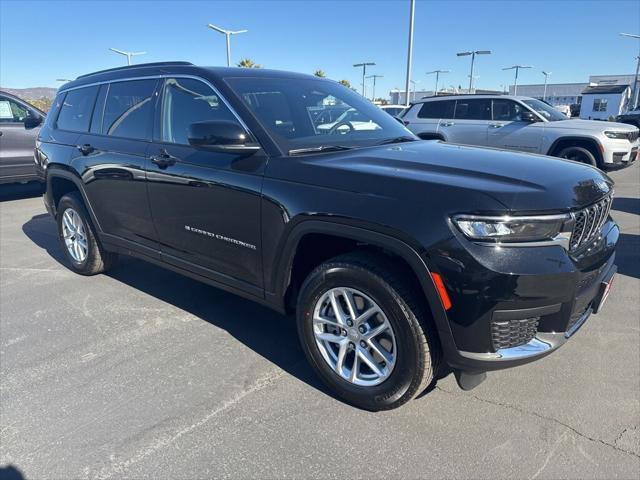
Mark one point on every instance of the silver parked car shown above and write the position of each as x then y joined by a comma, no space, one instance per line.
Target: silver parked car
19,127
524,124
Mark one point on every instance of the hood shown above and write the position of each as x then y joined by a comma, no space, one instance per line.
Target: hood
520,182
590,125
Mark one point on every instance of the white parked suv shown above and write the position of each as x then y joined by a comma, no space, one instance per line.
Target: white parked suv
524,124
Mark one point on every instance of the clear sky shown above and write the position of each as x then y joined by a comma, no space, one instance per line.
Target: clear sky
43,41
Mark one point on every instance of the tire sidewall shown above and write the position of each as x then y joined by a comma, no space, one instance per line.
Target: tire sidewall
402,322
590,159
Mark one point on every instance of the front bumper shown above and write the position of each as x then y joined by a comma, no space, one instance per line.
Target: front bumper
557,292
620,153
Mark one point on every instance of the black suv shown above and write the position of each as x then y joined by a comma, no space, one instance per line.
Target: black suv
399,257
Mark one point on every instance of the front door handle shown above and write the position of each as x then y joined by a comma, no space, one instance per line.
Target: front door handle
496,125
448,124
86,149
164,159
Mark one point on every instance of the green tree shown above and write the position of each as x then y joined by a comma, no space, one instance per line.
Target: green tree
248,63
346,83
320,73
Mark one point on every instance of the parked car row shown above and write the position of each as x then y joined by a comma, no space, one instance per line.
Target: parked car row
251,181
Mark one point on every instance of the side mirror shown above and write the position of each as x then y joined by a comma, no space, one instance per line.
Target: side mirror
528,117
32,120
221,136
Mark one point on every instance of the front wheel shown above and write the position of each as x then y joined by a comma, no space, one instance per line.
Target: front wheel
578,154
366,331
78,238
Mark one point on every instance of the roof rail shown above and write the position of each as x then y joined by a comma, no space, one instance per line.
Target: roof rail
461,94
139,65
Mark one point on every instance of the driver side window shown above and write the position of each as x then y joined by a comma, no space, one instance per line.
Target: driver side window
507,110
12,112
186,101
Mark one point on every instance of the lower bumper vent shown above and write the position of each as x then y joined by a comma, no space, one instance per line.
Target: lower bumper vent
511,333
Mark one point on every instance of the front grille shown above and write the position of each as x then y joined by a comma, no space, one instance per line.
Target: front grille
511,333
589,221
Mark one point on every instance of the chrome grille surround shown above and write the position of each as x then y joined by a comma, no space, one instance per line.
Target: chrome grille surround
589,221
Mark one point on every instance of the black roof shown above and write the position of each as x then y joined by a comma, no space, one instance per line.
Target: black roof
160,68
605,89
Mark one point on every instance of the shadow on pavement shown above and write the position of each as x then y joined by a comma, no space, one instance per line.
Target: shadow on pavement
626,204
628,255
268,333
10,473
19,191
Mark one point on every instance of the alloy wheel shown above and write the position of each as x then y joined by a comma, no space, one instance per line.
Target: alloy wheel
74,235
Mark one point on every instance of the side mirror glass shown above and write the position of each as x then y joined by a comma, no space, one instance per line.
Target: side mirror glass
528,117
32,120
221,136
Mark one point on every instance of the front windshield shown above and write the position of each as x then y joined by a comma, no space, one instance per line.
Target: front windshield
302,113
547,111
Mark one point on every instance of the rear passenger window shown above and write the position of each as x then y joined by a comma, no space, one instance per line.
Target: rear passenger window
128,110
437,109
473,109
75,113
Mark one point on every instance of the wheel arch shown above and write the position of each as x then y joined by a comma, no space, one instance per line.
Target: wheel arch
282,279
592,144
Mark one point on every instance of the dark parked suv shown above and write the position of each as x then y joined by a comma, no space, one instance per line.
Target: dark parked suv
398,256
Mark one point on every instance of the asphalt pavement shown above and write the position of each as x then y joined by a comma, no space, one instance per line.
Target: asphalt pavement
143,373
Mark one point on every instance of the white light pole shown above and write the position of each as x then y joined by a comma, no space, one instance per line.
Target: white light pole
127,54
412,11
227,34
635,81
473,59
546,76
517,69
437,72
373,92
364,71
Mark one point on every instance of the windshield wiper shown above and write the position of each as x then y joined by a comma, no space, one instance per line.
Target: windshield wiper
404,138
320,149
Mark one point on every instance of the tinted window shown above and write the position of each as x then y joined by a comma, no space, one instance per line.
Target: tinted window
77,106
473,109
11,112
128,110
437,109
98,110
507,110
186,101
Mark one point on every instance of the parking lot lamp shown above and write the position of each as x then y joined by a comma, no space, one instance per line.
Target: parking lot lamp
437,72
227,34
412,11
634,95
473,60
517,69
546,76
373,91
364,71
127,54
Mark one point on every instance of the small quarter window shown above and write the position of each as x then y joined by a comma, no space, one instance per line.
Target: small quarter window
77,106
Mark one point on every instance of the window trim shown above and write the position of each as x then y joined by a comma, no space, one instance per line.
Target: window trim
157,77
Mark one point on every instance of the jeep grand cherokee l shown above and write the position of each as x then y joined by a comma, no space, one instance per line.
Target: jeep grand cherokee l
397,255
524,124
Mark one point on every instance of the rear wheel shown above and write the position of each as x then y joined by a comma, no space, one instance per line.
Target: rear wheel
578,154
366,332
78,239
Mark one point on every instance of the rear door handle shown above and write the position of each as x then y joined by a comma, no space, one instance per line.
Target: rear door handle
164,159
448,124
86,149
496,125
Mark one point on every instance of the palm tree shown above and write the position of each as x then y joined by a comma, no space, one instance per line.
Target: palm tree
320,73
248,63
346,83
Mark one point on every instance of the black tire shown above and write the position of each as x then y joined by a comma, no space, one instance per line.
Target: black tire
97,259
578,154
418,351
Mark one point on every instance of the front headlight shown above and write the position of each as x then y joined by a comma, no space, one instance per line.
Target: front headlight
617,135
543,228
